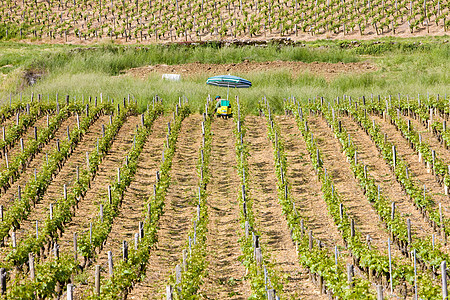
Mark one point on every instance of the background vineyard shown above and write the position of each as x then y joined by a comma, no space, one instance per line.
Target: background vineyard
196,20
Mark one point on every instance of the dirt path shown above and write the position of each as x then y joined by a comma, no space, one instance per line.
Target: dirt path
366,219
180,207
107,171
226,273
275,236
67,175
27,136
305,187
7,198
380,171
295,68
417,169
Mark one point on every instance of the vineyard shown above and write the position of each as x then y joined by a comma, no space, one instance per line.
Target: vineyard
197,20
344,198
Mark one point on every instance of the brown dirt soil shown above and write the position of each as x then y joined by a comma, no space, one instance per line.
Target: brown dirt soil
380,171
179,209
275,236
126,223
106,174
225,278
67,175
305,188
327,70
366,219
27,136
7,198
417,169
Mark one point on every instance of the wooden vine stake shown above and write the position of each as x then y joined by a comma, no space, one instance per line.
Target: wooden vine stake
136,241
141,229
441,221
415,274
3,276
394,157
258,256
444,280
110,264
390,265
31,265
177,274
393,211
350,274
125,251
70,291
352,228
446,186
379,292
169,292
408,224
75,247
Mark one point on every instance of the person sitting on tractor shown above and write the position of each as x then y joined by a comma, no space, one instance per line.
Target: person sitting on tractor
218,98
223,108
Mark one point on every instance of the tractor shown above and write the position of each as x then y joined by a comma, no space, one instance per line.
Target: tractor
223,109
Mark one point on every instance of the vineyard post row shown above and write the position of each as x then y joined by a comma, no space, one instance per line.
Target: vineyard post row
326,270
188,275
367,183
432,163
360,255
421,198
125,273
400,232
265,281
428,252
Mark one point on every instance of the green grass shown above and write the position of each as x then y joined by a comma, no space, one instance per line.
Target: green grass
111,59
409,66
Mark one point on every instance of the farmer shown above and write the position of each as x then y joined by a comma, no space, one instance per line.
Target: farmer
218,99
